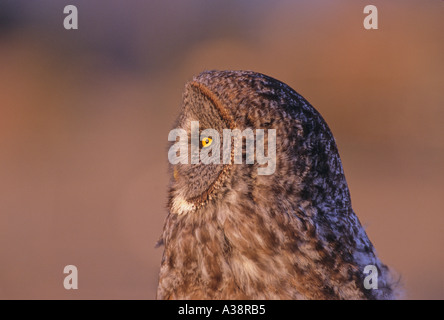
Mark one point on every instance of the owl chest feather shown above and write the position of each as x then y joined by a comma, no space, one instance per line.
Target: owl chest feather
233,253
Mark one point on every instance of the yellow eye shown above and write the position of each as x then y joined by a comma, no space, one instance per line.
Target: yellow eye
206,142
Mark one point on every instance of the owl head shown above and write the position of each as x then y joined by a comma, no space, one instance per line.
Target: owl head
239,129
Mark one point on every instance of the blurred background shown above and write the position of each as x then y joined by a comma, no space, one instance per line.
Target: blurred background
85,114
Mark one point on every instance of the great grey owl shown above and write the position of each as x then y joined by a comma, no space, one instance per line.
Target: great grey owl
232,233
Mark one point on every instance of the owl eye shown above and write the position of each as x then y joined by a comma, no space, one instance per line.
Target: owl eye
206,142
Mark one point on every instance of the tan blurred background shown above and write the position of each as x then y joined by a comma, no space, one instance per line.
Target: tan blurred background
84,118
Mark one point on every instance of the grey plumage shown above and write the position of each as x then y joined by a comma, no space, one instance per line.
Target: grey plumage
233,234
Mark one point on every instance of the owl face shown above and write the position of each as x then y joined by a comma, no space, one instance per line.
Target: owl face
203,119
